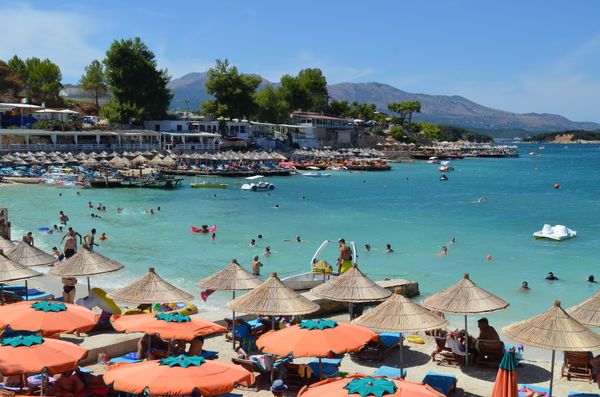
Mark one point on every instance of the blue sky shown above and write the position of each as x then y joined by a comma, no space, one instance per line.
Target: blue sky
520,56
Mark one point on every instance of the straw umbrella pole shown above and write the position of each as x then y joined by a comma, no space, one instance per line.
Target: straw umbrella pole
232,278
13,271
400,314
86,263
553,330
588,311
353,287
465,298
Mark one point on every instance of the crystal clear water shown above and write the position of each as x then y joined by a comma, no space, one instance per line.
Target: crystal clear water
408,207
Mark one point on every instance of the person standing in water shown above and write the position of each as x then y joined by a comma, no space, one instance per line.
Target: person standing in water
256,265
28,238
344,261
63,218
89,240
70,240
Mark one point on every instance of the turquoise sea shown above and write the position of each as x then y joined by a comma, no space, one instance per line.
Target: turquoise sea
408,207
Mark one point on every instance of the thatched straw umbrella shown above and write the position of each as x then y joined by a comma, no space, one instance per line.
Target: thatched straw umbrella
6,244
353,287
150,289
168,161
232,278
553,330
588,311
155,161
91,162
465,297
139,160
273,298
400,314
13,271
86,263
28,255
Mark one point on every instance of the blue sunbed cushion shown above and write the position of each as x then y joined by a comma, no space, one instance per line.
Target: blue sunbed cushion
390,372
127,358
331,367
209,354
582,394
443,383
389,338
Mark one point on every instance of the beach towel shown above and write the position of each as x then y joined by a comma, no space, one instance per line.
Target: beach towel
388,339
443,383
533,391
390,372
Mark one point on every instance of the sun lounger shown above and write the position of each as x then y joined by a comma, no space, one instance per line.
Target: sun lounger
20,293
444,355
297,376
331,367
390,372
386,343
262,376
132,357
525,389
490,352
577,365
443,383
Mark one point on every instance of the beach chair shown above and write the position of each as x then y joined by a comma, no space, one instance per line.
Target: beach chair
262,377
444,355
577,365
390,372
376,351
331,367
490,352
297,376
444,383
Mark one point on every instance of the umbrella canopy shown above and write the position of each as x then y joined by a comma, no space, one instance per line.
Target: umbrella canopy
166,325
28,255
316,338
554,329
12,271
31,354
400,314
86,263
351,286
6,244
588,311
49,317
465,297
179,375
139,160
506,379
273,298
361,385
150,289
91,162
232,278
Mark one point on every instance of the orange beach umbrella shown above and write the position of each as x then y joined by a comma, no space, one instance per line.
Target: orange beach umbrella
316,338
506,379
360,385
48,317
180,375
166,325
31,354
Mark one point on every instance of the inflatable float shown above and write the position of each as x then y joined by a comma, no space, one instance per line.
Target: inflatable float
195,229
186,308
98,298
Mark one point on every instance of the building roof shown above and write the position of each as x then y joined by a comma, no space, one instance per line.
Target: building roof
318,116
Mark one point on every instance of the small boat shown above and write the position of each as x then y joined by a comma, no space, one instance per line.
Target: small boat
433,160
321,271
208,185
443,177
313,168
258,187
556,233
336,168
316,174
536,154
445,167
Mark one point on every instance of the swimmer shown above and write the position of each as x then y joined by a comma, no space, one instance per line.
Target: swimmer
444,251
150,212
103,237
453,241
524,286
157,209
256,265
368,247
276,205
388,249
59,194
89,240
90,205
302,197
253,243
298,239
119,210
591,279
79,194
260,236
481,200
56,253
267,251
63,218
551,276
213,236
55,228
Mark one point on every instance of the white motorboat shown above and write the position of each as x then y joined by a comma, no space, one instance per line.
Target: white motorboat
433,160
336,168
316,174
556,233
445,167
321,271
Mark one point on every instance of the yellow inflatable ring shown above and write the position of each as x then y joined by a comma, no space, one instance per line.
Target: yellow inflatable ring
416,339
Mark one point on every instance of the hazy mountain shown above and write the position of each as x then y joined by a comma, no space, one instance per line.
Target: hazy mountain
443,109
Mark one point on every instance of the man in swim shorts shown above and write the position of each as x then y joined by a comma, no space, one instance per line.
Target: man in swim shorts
70,240
89,240
344,261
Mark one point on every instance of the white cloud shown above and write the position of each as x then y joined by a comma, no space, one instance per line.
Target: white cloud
61,36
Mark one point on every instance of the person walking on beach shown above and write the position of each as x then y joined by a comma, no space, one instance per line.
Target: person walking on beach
89,240
344,262
28,238
256,265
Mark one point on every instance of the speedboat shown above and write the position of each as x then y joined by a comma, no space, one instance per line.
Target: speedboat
320,270
445,167
208,185
556,233
258,187
433,160
316,174
336,168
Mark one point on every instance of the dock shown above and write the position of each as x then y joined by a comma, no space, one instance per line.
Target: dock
227,173
116,344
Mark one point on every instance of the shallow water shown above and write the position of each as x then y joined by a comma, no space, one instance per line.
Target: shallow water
408,207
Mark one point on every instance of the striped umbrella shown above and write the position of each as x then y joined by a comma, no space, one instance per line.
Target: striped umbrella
506,380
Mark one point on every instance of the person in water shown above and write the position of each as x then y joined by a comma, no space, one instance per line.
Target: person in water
453,240
344,262
444,251
591,279
103,237
28,238
70,240
256,265
524,286
267,251
388,248
213,236
551,276
368,247
252,243
298,239
63,218
89,240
